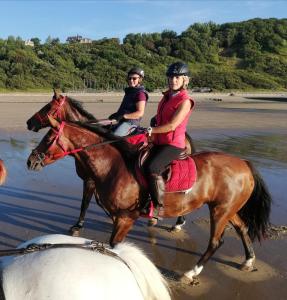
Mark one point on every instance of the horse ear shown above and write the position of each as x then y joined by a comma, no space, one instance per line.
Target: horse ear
53,122
57,93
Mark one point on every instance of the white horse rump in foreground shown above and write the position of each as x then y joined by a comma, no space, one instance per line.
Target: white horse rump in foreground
70,273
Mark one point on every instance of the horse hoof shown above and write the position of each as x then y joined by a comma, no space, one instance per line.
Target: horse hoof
246,268
175,228
178,226
248,265
152,222
189,281
185,280
74,231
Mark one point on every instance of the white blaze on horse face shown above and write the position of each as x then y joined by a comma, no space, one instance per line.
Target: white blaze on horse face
194,272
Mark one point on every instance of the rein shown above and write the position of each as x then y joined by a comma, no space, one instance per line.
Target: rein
31,248
42,156
95,246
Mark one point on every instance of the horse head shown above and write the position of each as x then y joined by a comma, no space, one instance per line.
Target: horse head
52,147
61,108
54,108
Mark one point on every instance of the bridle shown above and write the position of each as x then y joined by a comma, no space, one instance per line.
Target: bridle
56,113
41,156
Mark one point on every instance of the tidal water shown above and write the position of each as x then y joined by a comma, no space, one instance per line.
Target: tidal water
48,202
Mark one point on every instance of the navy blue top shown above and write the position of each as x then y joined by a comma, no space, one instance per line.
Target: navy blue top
129,102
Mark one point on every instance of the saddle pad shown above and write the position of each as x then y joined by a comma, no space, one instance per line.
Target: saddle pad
136,139
183,175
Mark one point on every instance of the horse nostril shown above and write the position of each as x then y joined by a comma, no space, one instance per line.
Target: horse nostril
28,164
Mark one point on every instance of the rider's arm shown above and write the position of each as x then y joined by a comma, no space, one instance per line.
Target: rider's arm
180,114
138,113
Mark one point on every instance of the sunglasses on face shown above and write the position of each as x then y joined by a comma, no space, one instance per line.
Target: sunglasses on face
133,78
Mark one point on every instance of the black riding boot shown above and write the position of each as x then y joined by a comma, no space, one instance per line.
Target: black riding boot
156,188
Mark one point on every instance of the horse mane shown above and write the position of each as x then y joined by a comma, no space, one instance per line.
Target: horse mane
144,271
79,107
127,150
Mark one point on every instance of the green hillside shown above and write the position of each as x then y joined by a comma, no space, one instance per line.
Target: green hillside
246,55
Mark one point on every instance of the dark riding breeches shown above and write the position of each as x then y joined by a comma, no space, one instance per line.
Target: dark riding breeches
160,157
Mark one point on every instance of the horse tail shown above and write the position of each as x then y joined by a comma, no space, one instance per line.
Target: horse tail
150,280
256,211
3,172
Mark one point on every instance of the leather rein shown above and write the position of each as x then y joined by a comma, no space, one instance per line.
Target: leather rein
92,246
42,156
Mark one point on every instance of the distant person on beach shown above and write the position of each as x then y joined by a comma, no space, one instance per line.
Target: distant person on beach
133,104
168,129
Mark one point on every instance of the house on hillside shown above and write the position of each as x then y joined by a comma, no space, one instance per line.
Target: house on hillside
29,43
78,39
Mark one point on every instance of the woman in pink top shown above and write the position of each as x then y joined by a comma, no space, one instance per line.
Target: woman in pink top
168,133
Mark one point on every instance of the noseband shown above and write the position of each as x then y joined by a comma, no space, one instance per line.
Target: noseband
55,114
40,156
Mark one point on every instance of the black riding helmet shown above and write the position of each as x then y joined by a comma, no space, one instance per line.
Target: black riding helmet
136,70
177,69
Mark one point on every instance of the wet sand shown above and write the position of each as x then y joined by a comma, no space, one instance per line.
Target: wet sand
49,201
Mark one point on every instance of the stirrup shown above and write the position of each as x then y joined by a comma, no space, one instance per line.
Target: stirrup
147,212
153,211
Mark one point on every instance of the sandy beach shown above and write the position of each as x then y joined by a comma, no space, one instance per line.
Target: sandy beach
252,126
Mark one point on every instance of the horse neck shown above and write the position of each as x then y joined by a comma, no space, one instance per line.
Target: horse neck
96,156
71,113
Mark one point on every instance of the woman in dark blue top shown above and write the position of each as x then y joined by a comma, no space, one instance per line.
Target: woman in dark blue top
133,104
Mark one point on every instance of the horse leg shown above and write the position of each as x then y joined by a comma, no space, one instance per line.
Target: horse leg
122,225
218,221
179,224
88,190
242,231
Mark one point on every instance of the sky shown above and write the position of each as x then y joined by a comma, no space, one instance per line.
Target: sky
97,19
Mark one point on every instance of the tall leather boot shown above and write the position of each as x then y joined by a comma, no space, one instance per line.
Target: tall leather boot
156,188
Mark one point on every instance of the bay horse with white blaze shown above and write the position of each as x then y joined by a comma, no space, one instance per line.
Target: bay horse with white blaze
3,172
230,186
69,268
64,108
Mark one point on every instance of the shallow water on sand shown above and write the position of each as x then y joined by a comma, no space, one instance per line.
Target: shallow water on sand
45,202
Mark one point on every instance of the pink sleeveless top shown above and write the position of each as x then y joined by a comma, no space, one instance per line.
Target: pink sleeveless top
166,109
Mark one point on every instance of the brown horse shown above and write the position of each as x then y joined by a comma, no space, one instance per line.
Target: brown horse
230,186
3,172
64,108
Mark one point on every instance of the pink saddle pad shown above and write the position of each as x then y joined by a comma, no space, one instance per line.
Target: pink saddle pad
183,175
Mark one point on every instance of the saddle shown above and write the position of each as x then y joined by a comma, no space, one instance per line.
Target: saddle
144,152
179,175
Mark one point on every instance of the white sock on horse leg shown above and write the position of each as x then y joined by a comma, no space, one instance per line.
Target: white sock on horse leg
194,272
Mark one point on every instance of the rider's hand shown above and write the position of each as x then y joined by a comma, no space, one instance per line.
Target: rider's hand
113,116
147,131
120,118
117,117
